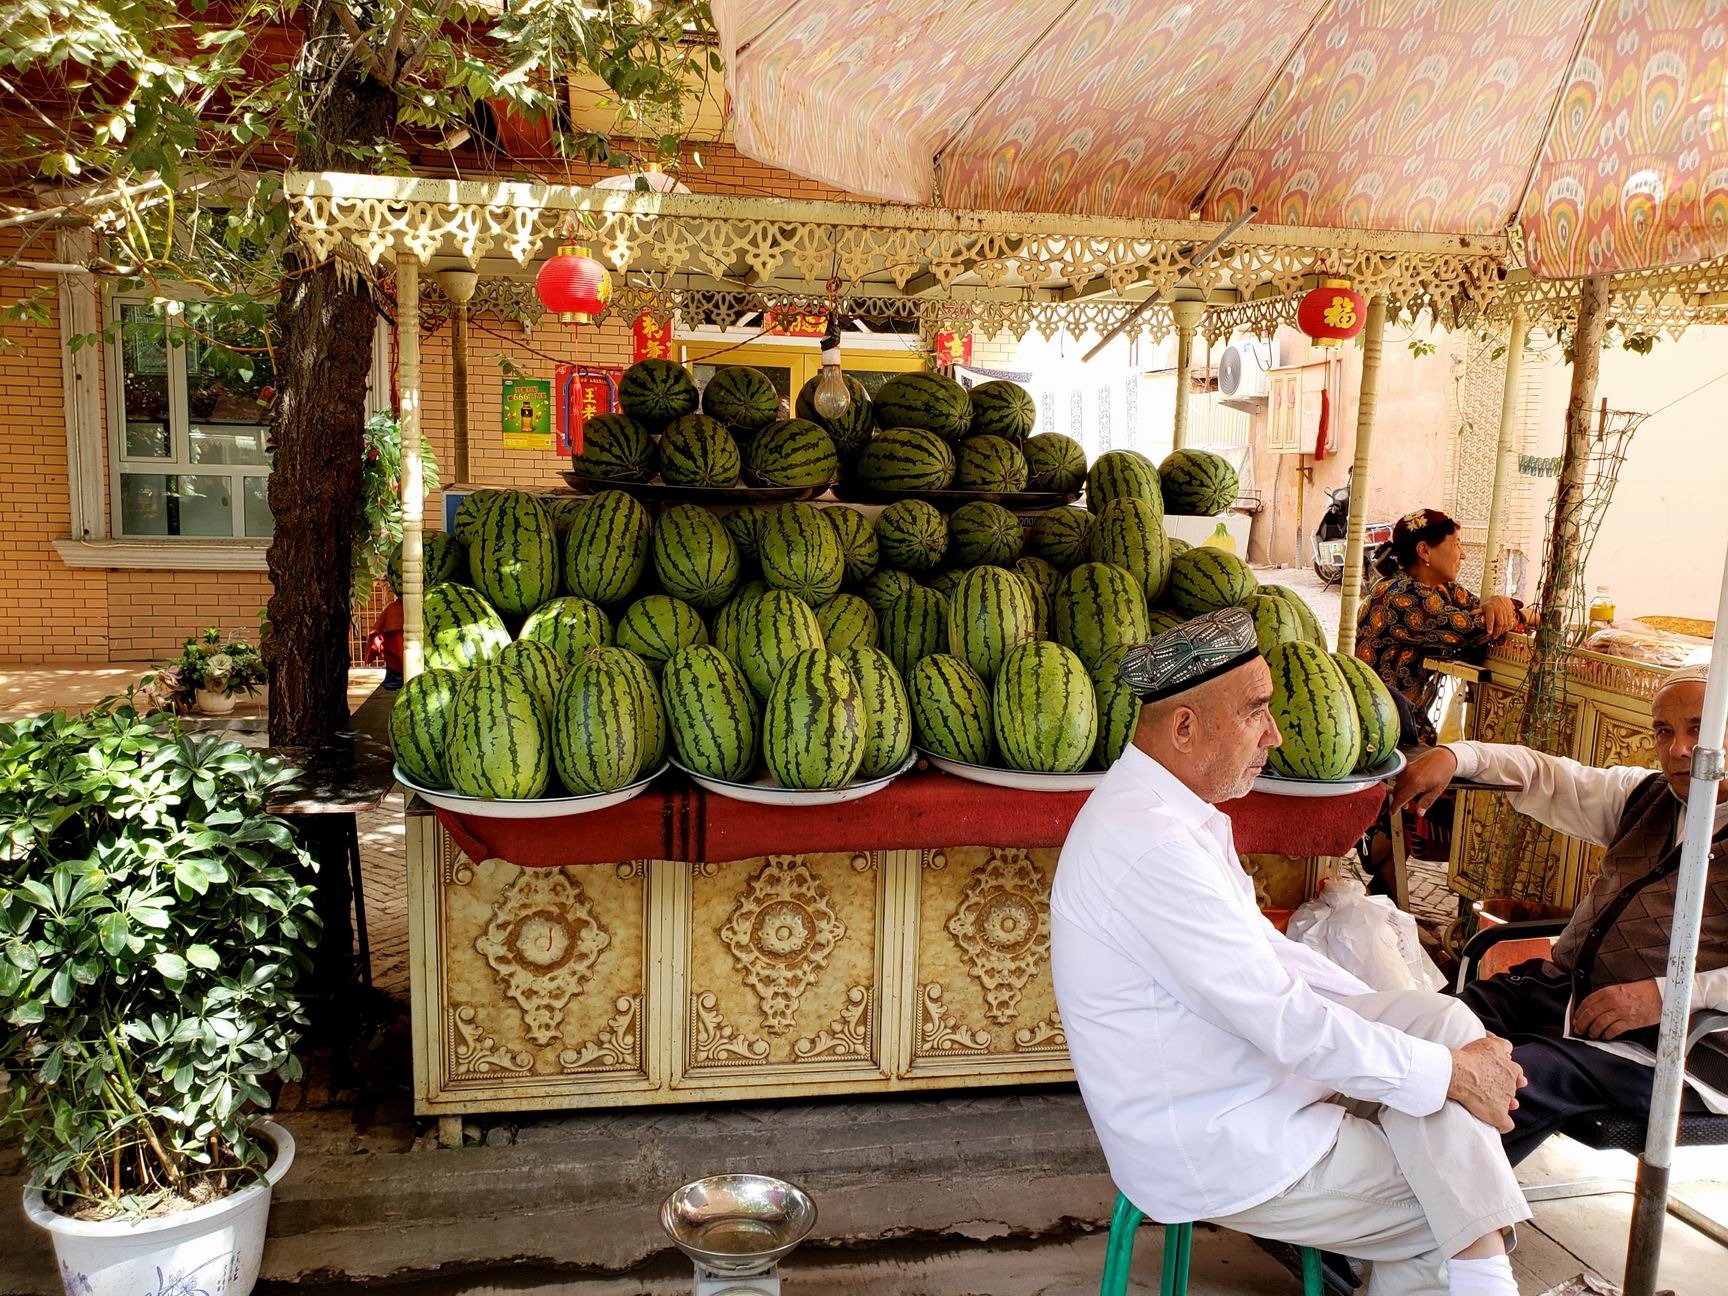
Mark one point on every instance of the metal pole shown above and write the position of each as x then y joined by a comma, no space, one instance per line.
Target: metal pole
1644,1246
1186,314
458,286
1373,333
413,485
1507,455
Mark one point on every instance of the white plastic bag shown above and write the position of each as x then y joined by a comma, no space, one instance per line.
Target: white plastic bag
1368,936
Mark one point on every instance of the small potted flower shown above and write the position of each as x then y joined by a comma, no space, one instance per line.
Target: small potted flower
153,927
212,674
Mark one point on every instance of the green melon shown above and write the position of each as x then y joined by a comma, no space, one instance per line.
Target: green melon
712,713
1003,409
883,586
776,628
1130,534
1159,620
800,551
1118,709
657,626
905,459
851,430
983,534
1196,482
1316,714
745,525
539,664
1062,537
1055,462
420,722
950,709
944,581
697,450
729,620
847,621
1376,712
513,558
914,626
989,616
694,556
607,548
911,535
565,509
792,452
469,514
462,630
1204,580
650,713
1311,630
441,559
1123,474
655,392
813,723
569,626
1275,621
989,463
595,743
857,537
924,400
741,398
887,712
1099,607
497,744
615,447
1044,709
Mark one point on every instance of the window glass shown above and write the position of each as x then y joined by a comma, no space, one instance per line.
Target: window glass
144,361
259,523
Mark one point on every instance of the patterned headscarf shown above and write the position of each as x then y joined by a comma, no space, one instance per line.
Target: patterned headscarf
1190,654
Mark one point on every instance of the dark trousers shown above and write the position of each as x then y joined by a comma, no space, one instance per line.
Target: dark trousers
1527,1005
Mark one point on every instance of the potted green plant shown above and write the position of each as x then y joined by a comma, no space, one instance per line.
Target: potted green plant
208,673
153,924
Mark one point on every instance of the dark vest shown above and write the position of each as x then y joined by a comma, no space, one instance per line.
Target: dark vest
1620,931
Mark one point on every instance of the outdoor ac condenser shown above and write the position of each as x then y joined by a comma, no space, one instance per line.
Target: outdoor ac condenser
1242,380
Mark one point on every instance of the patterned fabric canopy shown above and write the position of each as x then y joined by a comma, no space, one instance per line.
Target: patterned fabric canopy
1599,127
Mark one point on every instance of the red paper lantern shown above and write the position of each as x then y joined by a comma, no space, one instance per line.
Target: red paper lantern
574,285
1332,313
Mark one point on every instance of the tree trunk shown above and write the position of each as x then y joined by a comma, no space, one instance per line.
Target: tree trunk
325,323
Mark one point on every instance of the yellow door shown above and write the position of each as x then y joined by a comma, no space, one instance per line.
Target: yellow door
790,367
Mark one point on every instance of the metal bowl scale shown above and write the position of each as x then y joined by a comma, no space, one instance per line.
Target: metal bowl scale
737,1224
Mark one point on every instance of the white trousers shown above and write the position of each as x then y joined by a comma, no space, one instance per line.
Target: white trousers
1407,1192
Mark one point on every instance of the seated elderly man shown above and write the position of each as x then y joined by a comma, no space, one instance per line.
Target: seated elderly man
1233,1075
1583,1020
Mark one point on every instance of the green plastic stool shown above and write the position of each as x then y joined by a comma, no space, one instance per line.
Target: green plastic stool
1178,1243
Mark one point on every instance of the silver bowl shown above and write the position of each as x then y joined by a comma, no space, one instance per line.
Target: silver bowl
737,1224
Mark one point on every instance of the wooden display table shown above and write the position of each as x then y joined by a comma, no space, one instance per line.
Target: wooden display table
684,948
1607,710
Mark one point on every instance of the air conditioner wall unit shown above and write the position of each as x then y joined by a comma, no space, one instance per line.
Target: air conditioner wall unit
1242,376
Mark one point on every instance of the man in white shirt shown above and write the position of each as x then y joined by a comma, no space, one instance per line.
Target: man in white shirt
1583,1021
1216,1057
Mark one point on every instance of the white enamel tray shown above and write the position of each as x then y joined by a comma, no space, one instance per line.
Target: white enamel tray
761,791
529,808
1278,785
1018,780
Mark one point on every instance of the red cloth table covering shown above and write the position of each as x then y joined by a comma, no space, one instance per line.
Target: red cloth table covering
674,819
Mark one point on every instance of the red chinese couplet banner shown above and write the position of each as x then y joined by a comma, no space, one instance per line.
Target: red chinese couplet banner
952,349
650,339
579,392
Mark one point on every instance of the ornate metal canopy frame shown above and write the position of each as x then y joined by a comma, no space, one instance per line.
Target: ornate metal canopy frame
1003,272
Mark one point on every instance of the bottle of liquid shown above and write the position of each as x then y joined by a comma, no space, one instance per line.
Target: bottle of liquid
525,421
1602,607
1220,539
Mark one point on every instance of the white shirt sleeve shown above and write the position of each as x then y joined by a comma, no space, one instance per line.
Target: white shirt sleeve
1578,800
1709,990
1204,949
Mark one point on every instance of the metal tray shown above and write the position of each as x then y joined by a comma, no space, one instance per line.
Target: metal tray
761,791
1014,501
1018,780
546,807
1279,785
661,493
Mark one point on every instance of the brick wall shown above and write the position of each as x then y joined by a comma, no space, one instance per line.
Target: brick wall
56,614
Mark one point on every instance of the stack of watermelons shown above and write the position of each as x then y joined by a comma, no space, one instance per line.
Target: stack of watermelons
727,434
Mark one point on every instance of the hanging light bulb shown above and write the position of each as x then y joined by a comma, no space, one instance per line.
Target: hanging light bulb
831,398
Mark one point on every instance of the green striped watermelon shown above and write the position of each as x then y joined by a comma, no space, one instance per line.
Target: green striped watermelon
1118,709
420,726
729,620
989,616
595,745
658,625
989,463
1376,713
514,558
1158,620
654,392
813,723
741,398
1196,482
944,581
497,746
539,664
1003,409
1178,546
1130,534
1123,474
462,630
565,509
441,559
615,447
1275,621
569,626
1055,462
1316,714
1044,709
847,622
905,459
694,556
857,541
851,430
792,452
1062,537
469,513
1099,607
914,626
950,709
924,400
650,712
800,551
1204,580
698,451
745,525
712,713
887,713
1042,581
911,535
607,549
983,534
883,586
777,627
1311,630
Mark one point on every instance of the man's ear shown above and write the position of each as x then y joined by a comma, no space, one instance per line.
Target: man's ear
1184,728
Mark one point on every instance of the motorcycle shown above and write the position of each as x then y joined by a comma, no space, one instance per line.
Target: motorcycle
1330,539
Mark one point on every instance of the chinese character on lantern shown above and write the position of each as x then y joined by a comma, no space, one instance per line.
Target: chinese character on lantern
1332,313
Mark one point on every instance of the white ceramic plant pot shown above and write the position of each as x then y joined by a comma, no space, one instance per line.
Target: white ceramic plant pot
214,1249
211,703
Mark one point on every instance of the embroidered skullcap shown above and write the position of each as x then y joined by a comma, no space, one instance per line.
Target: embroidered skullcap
1685,675
1190,654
